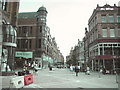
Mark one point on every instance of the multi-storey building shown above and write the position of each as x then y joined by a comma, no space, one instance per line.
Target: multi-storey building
35,43
102,41
76,55
81,62
69,58
8,24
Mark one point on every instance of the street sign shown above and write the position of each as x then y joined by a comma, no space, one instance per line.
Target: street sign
24,54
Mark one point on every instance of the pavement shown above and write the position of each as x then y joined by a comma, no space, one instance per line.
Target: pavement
63,78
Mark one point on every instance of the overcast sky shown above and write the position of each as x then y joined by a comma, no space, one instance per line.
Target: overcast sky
67,19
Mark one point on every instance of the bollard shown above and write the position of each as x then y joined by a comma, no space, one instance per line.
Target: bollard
28,79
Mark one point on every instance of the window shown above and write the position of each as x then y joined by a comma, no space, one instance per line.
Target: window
24,29
40,29
95,20
4,5
39,43
118,18
30,42
24,43
112,32
111,18
104,32
19,30
118,32
18,43
103,19
30,30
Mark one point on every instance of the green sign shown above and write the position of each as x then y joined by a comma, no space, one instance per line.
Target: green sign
49,59
24,54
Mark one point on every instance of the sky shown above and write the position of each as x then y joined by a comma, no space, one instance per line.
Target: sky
66,19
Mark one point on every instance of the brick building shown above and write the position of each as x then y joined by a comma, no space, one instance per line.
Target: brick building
102,40
35,43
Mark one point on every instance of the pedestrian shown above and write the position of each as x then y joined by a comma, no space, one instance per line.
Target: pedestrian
50,68
88,70
79,68
35,70
104,70
71,68
76,70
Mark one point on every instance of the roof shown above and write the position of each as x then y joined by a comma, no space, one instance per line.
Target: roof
27,15
42,9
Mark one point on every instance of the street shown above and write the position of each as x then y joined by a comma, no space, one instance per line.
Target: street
63,78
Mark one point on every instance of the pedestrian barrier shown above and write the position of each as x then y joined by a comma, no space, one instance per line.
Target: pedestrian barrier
28,79
17,82
25,81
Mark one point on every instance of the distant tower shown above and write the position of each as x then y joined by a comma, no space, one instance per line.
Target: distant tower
42,14
41,29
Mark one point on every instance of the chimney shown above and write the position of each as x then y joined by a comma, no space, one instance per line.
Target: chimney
86,30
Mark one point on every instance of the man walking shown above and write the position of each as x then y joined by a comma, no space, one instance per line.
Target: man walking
76,70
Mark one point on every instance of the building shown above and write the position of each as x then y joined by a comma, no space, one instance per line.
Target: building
82,60
9,12
35,43
102,40
76,55
69,58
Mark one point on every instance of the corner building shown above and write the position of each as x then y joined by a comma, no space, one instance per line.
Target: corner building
102,41
35,44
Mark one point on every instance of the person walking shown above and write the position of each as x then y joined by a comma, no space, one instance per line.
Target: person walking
104,70
71,68
76,70
88,70
79,68
50,68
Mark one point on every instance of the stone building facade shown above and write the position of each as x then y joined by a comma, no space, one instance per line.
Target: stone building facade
102,40
35,43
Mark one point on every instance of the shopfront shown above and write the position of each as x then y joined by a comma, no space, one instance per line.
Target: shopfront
23,58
